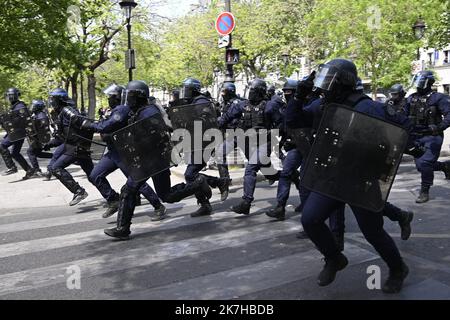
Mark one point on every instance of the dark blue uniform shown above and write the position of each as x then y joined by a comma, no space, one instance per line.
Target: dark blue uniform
69,153
318,208
264,116
110,162
193,169
431,109
16,146
35,150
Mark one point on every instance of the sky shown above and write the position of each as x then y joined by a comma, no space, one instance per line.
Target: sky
174,8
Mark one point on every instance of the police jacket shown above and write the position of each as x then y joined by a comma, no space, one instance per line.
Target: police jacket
430,109
265,115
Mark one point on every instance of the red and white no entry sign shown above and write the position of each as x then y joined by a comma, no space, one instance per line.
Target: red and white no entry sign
225,23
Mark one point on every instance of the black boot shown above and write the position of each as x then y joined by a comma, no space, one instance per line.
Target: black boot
224,188
204,210
394,282
424,195
10,171
332,266
160,213
273,178
405,224
242,208
446,169
79,196
112,208
279,213
124,216
299,208
138,200
339,238
30,174
7,158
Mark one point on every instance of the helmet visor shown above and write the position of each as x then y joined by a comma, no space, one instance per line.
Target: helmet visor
326,77
420,81
133,98
112,90
186,93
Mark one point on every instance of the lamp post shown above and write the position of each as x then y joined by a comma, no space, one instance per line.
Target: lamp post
130,59
419,31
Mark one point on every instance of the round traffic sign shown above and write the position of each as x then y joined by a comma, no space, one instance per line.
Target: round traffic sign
225,23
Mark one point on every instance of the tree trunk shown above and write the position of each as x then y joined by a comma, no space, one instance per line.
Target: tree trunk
74,87
83,110
91,96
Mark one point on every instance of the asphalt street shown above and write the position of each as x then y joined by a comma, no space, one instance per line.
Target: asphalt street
223,256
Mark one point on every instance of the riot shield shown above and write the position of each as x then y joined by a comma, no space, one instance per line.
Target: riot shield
18,124
190,117
144,147
42,130
354,158
78,142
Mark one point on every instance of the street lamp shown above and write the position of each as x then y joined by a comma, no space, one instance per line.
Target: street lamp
130,59
419,31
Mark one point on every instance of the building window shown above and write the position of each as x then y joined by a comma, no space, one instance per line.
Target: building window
447,89
446,56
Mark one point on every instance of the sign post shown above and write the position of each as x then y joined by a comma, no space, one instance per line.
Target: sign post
225,25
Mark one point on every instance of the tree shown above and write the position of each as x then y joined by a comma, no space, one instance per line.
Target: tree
377,35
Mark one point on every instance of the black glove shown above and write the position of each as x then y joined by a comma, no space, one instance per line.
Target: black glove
46,147
304,88
87,125
416,151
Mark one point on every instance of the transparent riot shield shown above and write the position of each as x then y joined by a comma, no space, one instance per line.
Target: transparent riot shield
18,124
144,147
354,158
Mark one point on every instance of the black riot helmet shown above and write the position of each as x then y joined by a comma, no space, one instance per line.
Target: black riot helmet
289,89
271,91
190,89
12,95
228,91
397,92
136,94
37,106
336,73
423,81
258,91
336,79
114,93
58,98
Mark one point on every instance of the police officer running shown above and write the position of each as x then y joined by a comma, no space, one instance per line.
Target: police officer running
430,113
12,95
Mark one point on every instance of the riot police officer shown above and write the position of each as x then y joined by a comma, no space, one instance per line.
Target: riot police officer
397,101
73,150
228,99
136,98
110,161
291,163
191,95
256,113
337,81
430,113
13,97
35,150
